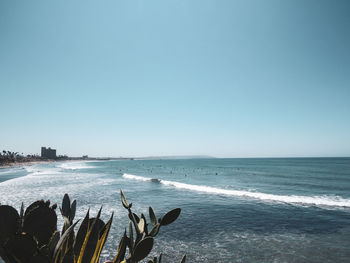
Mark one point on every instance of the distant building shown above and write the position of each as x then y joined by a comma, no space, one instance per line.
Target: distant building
85,156
48,153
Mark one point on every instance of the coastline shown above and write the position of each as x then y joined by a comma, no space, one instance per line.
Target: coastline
8,165
27,163
12,170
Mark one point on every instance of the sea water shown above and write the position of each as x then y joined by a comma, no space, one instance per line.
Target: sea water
233,210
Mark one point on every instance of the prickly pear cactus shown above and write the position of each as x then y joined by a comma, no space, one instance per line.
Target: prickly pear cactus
9,223
40,222
140,246
21,247
24,237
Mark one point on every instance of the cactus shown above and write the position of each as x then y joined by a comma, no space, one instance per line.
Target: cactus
68,209
41,223
32,235
21,247
170,217
143,243
9,220
23,237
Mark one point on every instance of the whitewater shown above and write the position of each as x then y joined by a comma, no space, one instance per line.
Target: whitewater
310,200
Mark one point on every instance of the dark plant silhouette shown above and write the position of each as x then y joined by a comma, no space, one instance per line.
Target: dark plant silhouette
31,236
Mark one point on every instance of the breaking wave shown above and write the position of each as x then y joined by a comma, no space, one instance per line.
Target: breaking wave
293,199
75,165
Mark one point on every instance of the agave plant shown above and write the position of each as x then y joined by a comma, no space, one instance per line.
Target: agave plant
31,236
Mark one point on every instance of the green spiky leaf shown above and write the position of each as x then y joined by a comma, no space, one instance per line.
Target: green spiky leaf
121,250
96,226
79,240
62,240
104,233
53,242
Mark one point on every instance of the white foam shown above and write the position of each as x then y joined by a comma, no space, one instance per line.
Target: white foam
76,165
309,200
135,177
50,182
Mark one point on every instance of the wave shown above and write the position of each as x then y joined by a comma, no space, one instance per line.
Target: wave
38,170
75,165
293,199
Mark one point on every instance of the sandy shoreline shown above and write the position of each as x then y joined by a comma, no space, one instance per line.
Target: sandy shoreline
30,163
19,164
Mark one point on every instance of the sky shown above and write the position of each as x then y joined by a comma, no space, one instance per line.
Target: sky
222,78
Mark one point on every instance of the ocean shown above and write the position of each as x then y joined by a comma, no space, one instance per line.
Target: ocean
233,210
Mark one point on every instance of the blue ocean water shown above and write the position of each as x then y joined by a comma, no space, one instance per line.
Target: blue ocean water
233,210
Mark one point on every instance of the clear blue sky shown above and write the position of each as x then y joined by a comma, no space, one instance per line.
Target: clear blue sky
154,77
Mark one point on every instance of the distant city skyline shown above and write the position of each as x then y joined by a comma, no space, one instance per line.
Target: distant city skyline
163,78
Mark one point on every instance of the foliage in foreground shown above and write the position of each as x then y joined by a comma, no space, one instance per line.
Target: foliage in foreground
31,236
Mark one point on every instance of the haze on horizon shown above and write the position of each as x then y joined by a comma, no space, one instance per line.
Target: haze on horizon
155,78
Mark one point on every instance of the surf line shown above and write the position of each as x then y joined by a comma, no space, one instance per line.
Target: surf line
310,200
